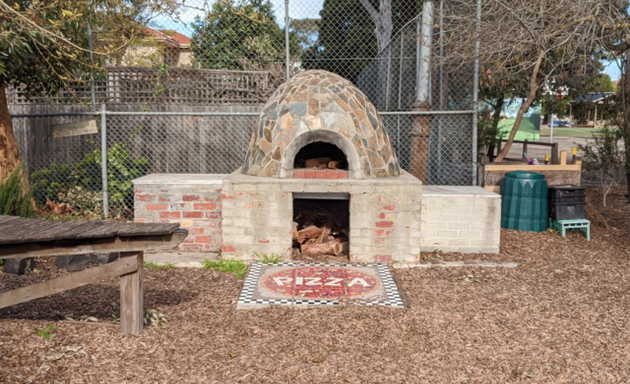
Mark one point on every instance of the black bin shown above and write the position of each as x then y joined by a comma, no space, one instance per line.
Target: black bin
567,202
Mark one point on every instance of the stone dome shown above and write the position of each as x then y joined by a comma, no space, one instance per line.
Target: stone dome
319,106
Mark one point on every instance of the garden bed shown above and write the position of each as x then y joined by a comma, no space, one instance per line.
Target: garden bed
563,315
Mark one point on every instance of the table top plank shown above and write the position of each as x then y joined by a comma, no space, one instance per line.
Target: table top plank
15,230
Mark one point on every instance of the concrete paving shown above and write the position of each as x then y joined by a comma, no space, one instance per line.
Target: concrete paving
181,259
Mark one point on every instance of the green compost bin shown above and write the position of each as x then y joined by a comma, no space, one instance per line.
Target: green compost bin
524,201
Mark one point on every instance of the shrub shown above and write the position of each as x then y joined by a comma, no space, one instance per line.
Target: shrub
16,195
606,158
81,185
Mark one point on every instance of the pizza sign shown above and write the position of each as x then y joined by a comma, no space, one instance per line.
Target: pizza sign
323,283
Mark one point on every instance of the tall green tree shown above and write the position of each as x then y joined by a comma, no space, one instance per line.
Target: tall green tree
44,47
240,35
351,33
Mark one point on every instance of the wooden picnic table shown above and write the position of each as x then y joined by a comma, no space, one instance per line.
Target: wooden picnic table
20,238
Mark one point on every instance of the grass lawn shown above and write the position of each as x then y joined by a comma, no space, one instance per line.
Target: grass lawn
569,132
527,130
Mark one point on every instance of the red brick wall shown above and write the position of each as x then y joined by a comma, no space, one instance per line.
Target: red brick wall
196,208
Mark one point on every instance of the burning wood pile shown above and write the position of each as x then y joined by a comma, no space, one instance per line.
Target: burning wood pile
320,228
322,163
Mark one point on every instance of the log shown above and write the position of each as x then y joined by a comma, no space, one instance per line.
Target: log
294,230
310,232
316,162
321,249
337,164
342,239
327,229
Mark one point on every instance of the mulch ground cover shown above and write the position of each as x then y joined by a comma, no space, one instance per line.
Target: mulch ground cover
561,316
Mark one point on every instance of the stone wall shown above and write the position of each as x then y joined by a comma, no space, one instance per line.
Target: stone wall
460,219
194,201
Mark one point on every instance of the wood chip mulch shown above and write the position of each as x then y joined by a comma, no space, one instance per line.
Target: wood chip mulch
561,316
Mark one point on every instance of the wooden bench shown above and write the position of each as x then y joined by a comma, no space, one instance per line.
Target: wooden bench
20,238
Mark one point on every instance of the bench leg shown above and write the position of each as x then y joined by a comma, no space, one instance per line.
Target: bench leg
131,297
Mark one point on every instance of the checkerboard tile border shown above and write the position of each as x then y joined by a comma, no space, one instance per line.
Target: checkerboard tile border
246,300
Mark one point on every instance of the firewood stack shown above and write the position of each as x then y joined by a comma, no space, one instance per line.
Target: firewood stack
324,163
321,228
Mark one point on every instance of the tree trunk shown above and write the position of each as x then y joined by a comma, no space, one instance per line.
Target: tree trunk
496,118
9,151
382,20
533,88
625,126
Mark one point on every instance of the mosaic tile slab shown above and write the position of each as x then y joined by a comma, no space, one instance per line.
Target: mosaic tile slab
318,285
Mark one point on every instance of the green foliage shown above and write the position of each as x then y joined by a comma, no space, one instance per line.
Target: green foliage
80,186
237,267
153,265
16,196
239,36
605,83
345,32
45,332
606,158
43,44
154,318
270,259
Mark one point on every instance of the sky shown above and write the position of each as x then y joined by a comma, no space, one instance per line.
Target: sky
298,9
612,70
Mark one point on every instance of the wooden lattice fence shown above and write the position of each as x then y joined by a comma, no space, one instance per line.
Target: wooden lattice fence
186,86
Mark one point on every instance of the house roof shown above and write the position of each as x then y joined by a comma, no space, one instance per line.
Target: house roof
596,97
183,40
172,38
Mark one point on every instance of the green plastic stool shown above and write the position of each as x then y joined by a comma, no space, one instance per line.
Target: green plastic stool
563,225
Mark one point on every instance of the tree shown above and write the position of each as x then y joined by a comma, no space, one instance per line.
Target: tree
306,31
353,32
382,19
622,111
240,36
538,38
605,157
44,46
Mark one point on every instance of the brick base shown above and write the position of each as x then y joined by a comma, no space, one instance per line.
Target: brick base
390,219
194,203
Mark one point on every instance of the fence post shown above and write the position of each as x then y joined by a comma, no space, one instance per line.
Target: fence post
475,96
104,160
421,123
554,154
286,38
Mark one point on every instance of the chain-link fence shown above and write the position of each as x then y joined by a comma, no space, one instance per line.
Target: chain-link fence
185,97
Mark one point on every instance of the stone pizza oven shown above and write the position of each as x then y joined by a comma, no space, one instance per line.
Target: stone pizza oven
323,114
320,171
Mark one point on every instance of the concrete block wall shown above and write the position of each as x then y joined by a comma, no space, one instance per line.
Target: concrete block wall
460,219
194,201
257,218
384,216
385,224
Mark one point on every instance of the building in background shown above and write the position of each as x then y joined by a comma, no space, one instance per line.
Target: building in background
157,47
